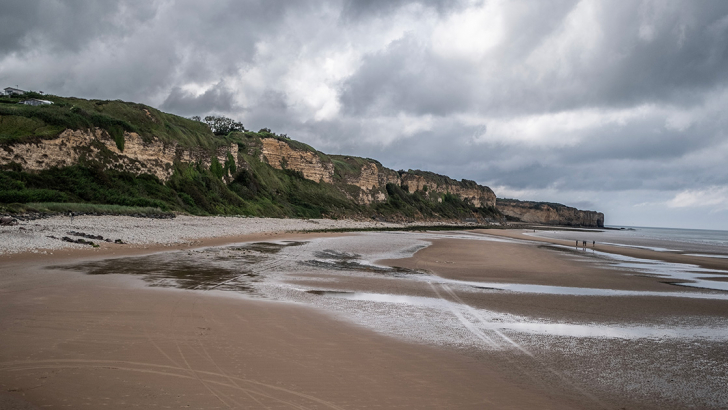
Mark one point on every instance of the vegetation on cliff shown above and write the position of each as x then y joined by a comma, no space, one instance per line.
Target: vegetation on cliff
244,183
23,123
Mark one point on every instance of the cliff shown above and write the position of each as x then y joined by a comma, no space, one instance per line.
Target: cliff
138,157
549,213
120,153
368,176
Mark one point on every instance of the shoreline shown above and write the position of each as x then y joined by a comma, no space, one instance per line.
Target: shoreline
184,231
706,261
333,317
67,332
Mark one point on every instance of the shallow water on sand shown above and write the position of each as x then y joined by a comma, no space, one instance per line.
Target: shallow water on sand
265,269
701,241
420,307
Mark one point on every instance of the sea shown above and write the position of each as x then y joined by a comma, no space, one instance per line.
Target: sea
702,242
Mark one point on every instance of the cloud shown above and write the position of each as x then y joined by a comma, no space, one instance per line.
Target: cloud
715,197
581,100
215,99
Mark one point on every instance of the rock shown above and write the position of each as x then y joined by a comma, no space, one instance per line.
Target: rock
8,221
549,213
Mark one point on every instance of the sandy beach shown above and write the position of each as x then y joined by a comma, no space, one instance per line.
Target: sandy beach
484,319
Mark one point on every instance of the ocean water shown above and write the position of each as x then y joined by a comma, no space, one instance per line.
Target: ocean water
689,241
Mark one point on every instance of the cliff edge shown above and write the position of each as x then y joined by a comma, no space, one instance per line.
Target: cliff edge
128,154
548,213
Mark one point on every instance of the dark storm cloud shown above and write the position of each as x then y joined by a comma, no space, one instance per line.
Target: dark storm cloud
215,99
406,77
66,26
643,54
562,97
359,9
672,55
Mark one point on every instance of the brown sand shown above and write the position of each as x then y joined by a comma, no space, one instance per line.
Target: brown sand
103,341
705,262
70,340
533,263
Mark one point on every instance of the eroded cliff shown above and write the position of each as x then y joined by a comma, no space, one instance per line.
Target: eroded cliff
280,155
549,213
137,157
368,176
58,154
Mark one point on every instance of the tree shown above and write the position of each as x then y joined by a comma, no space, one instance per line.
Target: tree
220,125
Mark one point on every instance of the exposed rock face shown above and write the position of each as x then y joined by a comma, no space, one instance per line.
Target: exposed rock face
138,157
370,184
549,213
60,152
280,155
468,191
372,177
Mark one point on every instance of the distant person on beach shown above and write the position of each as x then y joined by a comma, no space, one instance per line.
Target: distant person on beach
71,215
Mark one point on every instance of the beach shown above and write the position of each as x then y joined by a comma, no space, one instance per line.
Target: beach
248,313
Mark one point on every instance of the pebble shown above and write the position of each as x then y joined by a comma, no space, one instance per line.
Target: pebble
33,234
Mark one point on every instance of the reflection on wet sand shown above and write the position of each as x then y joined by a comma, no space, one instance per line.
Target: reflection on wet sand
228,268
555,329
341,276
680,274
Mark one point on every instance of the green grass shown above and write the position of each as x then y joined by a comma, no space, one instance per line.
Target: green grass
347,167
82,208
22,123
419,205
221,188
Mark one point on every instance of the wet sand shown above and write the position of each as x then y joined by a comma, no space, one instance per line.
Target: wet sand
703,261
532,263
71,339
74,340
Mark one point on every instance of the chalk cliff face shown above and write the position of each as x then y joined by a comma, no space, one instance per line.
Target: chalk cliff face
360,179
280,155
138,157
468,191
549,214
370,176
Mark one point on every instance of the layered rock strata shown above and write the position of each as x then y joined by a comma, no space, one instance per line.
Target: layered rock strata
549,213
138,157
280,155
372,177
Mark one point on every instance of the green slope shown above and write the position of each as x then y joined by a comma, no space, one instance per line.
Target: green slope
254,188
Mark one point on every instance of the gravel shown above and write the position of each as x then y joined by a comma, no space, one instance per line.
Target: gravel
43,235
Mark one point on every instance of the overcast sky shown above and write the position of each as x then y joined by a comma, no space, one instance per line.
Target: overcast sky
615,106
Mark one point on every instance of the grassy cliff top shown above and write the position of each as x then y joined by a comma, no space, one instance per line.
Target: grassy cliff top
23,123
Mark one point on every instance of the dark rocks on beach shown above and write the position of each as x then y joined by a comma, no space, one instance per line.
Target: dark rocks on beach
8,221
79,241
86,235
96,237
31,216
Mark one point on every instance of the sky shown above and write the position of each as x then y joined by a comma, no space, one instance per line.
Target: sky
615,106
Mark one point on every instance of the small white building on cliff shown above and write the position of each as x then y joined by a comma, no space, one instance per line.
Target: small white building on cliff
13,91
